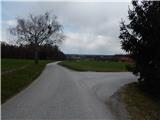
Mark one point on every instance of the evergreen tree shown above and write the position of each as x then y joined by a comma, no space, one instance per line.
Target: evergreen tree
141,38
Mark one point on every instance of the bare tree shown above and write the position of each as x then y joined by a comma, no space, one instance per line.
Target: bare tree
38,30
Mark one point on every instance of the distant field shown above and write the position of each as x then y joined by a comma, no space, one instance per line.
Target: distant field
99,66
17,74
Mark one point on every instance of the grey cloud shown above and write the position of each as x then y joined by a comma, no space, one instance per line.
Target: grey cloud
91,27
94,44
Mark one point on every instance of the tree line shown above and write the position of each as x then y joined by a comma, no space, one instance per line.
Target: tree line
46,52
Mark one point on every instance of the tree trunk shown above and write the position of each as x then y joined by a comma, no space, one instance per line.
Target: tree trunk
36,53
36,56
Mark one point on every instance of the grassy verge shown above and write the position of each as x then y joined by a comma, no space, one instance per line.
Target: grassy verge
12,64
140,105
99,66
14,81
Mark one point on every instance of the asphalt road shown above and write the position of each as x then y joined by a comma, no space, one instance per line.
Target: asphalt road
60,93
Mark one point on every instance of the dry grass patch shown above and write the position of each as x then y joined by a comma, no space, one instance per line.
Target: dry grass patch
140,105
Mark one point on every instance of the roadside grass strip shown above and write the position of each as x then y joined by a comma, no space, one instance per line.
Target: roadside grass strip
140,105
17,74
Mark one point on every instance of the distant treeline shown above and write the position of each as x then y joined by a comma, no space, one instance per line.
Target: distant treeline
27,52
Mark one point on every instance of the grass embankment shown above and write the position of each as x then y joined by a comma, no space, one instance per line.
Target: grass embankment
17,74
98,66
140,105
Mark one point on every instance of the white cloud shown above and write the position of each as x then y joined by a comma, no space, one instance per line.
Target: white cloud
9,23
73,0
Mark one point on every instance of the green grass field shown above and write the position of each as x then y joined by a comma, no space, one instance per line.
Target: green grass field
99,66
139,104
8,65
17,74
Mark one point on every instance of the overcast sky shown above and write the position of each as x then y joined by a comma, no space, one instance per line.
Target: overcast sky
90,27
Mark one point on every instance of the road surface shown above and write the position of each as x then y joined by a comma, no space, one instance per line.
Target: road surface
59,93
